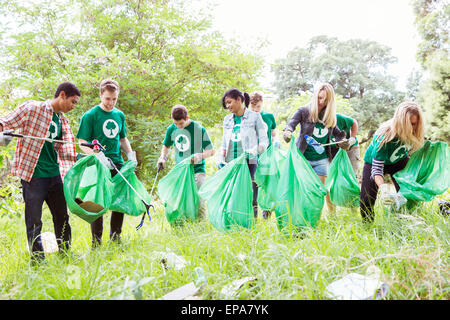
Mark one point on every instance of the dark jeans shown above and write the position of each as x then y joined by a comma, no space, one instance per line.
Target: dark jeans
116,223
35,193
369,189
252,165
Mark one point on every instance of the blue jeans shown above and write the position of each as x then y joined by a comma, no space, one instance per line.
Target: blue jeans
34,194
320,167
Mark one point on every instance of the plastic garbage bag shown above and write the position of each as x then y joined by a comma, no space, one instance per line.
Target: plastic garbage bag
427,173
126,200
267,176
178,192
229,196
341,182
88,188
300,192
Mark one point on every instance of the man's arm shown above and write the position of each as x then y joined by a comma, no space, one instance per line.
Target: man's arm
86,150
354,128
125,145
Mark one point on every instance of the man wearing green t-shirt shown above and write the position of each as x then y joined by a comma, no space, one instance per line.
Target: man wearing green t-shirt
350,126
256,102
106,124
189,138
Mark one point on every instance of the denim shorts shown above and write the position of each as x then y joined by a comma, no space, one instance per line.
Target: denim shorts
320,167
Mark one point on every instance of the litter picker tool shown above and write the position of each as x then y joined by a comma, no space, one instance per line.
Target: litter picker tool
99,148
17,135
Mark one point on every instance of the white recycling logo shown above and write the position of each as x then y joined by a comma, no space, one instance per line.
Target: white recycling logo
52,130
182,143
236,136
110,128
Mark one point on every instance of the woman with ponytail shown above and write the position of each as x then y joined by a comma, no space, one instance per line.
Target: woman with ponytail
393,143
243,131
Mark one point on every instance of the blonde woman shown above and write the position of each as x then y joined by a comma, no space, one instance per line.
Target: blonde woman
388,153
318,120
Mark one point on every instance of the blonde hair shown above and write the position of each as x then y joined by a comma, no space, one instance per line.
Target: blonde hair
110,85
400,126
256,97
329,118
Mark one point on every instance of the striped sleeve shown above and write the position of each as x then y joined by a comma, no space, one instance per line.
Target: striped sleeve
377,168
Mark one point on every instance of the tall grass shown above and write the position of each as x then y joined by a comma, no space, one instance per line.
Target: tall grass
410,249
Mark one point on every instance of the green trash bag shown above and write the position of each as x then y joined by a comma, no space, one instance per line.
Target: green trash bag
300,192
179,194
229,196
426,175
88,188
267,176
125,200
341,182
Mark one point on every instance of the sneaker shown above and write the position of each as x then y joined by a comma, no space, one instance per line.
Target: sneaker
266,214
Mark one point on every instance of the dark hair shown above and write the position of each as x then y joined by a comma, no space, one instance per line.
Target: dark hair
110,85
179,112
69,88
235,93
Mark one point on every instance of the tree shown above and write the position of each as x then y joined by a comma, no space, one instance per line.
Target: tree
432,21
160,52
356,68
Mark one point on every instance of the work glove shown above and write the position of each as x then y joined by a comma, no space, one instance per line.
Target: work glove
5,139
287,135
344,144
131,156
161,163
351,141
197,158
104,160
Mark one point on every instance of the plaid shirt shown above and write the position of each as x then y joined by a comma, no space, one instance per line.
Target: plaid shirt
33,118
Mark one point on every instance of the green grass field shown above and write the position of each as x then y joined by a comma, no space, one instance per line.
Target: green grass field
410,250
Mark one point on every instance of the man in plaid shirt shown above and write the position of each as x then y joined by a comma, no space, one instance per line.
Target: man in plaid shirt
41,165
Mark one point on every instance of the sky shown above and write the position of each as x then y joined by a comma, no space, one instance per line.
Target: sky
287,24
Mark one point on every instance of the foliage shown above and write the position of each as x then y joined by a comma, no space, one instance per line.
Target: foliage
161,53
409,249
432,21
356,68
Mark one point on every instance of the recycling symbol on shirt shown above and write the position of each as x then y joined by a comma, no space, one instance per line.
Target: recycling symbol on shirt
398,153
182,143
320,132
52,130
110,128
236,134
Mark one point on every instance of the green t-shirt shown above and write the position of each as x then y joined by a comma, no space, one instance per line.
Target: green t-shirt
391,152
107,127
236,142
269,119
47,165
321,136
343,123
188,141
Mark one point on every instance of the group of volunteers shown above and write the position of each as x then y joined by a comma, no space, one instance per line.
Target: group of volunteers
41,165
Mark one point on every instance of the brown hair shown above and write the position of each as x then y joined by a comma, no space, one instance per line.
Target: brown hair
256,97
110,85
179,112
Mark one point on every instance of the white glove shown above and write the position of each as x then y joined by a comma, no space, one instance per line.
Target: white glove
287,135
161,162
197,158
351,141
131,156
5,139
103,159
